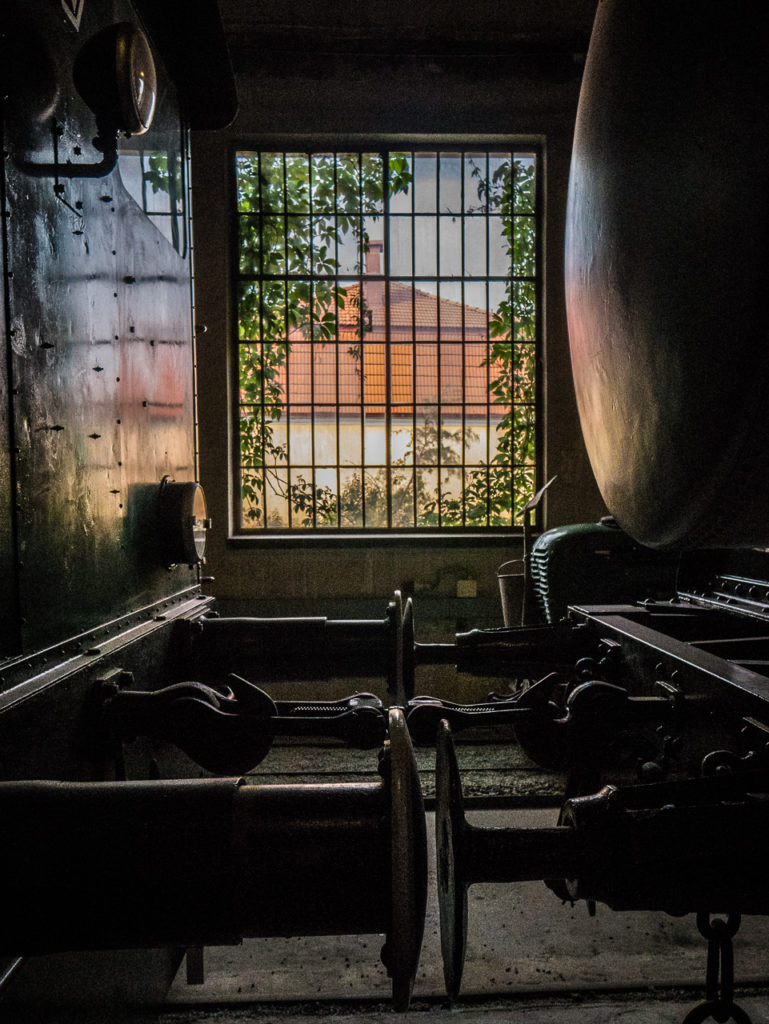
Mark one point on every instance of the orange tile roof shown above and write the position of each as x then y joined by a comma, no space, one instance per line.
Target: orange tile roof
425,373
438,363
408,307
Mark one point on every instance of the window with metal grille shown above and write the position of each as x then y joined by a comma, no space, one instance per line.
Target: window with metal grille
387,332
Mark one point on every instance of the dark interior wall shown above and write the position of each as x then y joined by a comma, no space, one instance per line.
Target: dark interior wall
348,92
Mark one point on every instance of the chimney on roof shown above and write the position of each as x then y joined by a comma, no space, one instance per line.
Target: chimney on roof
374,257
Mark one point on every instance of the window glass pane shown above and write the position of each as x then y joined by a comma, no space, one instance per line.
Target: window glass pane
297,183
302,498
373,246
400,245
524,184
426,435
402,437
298,245
275,452
402,486
523,488
450,183
475,246
374,373
476,435
450,246
376,509
427,373
525,448
388,349
325,436
426,482
425,182
425,246
401,175
271,183
452,314
326,499
276,505
247,181
372,191
249,305
499,187
374,440
524,310
500,249
451,436
474,178
350,436
350,372
401,376
524,246
348,252
452,379
273,245
524,377
351,497
323,183
250,245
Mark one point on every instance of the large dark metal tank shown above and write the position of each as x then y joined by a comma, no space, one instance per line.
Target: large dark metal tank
100,516
666,270
99,404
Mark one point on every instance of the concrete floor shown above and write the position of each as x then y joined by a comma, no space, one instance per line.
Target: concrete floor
529,957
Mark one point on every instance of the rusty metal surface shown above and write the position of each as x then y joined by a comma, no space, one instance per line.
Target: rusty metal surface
100,352
666,274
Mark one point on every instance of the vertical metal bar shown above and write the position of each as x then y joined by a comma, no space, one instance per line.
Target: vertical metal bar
260,342
287,403
414,337
463,427
337,417
385,158
311,292
538,287
488,375
414,327
337,403
362,403
439,409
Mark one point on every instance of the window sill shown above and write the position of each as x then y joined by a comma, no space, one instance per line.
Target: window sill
500,537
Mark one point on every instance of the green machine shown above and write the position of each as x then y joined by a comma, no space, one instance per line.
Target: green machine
596,563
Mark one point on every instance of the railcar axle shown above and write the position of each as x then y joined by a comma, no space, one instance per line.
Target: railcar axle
98,865
661,846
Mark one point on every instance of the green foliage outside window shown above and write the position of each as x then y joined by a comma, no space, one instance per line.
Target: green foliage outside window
294,215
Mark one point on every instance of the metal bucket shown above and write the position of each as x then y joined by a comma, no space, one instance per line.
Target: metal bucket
511,577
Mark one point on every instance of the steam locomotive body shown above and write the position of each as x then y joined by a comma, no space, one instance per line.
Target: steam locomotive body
103,523
106,633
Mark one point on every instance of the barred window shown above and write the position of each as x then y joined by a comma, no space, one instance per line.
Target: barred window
387,338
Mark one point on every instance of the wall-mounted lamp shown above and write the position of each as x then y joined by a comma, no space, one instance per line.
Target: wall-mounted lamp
114,73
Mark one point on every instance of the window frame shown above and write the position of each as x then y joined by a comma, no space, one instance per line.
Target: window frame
240,535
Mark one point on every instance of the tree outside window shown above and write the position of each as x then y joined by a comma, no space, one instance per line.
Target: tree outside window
387,329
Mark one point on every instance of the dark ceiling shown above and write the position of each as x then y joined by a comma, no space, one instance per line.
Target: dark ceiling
504,27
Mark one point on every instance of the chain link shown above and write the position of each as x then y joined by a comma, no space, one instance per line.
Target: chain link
719,1003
